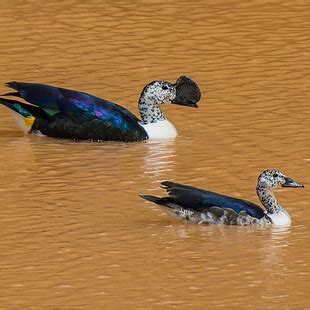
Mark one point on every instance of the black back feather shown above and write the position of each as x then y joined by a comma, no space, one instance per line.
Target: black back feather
200,200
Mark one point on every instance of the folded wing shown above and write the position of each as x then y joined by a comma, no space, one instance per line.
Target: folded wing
200,200
67,108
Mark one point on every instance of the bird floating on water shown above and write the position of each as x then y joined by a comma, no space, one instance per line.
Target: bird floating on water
200,206
64,113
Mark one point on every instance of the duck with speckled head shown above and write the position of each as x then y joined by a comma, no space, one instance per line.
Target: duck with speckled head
69,114
197,205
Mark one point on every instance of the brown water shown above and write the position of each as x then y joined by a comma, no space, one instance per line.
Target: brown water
74,232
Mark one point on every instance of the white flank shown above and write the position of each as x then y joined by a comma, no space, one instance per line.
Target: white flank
160,130
24,124
20,121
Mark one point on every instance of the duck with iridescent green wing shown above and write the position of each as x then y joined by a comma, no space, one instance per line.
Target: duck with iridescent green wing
64,113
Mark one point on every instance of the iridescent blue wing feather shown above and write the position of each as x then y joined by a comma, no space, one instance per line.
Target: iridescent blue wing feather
112,121
200,200
68,101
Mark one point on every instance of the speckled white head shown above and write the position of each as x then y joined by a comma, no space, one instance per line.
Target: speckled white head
159,92
153,95
273,178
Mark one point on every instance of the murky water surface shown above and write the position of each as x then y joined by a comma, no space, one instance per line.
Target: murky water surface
74,231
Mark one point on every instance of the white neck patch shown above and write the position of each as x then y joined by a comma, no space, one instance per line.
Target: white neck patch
280,218
160,130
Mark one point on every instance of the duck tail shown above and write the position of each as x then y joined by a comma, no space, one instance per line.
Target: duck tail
151,198
164,201
23,114
173,208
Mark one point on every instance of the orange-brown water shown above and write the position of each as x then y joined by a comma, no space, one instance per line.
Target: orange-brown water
74,231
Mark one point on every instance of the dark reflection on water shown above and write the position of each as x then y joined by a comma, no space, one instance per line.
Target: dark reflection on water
75,231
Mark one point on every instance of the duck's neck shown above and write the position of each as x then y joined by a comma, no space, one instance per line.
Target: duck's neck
268,199
275,213
150,110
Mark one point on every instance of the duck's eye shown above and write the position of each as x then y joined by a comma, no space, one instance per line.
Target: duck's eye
164,87
275,175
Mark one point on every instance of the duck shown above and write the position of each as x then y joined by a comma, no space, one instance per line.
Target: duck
69,114
200,206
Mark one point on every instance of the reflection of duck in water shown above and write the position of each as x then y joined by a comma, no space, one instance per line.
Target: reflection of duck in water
63,113
158,159
204,207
